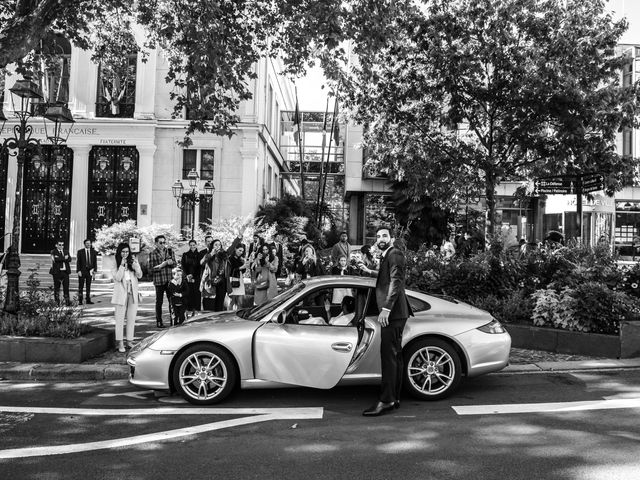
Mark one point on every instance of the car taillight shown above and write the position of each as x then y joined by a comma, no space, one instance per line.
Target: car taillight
494,326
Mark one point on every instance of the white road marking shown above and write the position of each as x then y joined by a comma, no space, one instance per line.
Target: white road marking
302,412
140,395
257,415
556,407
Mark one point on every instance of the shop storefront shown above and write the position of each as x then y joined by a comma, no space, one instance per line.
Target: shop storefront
560,214
627,229
516,219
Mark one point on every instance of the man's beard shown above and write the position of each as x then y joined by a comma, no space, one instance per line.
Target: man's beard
383,246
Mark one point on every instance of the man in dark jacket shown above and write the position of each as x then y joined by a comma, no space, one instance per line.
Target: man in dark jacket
86,263
394,311
60,270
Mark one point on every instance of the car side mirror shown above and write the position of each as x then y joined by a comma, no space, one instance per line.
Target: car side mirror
303,315
279,317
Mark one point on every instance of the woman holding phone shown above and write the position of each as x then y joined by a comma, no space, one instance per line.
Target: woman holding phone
125,294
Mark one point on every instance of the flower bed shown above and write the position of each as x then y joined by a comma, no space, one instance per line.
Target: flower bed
573,288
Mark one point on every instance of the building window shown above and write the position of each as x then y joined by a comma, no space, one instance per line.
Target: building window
627,230
200,160
203,212
116,96
189,162
203,162
269,115
53,61
194,109
369,169
627,142
378,211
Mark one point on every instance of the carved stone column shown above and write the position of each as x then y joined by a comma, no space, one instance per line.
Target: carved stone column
79,196
145,183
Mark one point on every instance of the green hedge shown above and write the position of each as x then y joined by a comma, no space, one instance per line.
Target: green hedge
574,287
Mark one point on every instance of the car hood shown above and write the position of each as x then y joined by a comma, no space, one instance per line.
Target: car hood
214,317
223,328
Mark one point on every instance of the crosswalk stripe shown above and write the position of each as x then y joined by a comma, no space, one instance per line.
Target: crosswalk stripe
555,407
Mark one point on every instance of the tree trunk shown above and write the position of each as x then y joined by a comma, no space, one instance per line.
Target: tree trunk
490,194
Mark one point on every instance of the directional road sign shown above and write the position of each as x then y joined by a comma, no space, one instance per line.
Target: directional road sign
592,182
565,184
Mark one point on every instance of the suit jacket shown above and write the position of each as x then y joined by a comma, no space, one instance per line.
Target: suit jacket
61,263
254,248
119,296
390,285
81,260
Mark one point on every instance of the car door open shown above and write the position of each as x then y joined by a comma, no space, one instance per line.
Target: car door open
306,355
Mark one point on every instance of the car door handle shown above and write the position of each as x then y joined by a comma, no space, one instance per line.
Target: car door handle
342,347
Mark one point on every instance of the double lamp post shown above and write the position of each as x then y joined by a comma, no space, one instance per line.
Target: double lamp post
26,99
189,200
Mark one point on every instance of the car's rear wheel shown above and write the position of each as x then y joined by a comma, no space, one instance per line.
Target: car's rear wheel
204,374
432,369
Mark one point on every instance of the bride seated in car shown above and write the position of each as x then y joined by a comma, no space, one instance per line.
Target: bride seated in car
343,319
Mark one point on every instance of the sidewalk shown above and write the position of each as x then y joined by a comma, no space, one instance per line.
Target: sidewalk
112,365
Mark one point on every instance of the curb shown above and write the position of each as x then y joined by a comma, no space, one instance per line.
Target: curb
110,371
570,366
63,371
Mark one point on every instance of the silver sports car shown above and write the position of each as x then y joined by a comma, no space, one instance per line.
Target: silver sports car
319,333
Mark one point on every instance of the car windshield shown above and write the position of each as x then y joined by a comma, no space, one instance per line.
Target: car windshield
260,311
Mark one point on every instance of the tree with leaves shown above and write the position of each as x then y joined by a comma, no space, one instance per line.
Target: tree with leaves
211,46
468,93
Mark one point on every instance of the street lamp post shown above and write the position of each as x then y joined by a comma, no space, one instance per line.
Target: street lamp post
189,200
18,146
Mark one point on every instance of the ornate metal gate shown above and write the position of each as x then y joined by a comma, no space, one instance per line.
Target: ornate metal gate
4,166
113,186
46,204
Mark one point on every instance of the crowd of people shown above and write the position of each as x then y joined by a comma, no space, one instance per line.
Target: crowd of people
210,277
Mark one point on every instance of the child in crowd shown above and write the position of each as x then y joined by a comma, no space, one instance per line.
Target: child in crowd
177,292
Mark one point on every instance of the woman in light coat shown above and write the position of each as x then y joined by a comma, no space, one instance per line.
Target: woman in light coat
125,293
263,273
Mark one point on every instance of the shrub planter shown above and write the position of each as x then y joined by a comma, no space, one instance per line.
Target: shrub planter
626,345
56,350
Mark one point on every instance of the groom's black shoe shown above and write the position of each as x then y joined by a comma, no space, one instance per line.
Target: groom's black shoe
379,408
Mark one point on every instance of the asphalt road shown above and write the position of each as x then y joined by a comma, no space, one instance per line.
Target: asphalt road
495,427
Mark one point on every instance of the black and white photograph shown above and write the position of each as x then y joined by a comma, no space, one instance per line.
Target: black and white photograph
325,239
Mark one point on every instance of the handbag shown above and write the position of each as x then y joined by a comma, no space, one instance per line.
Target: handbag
262,282
235,282
206,286
218,279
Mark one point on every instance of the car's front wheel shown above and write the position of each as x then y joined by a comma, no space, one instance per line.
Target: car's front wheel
432,369
204,374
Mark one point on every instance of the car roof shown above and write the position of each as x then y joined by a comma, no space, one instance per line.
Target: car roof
325,280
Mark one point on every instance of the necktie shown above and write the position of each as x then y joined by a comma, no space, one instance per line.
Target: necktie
88,259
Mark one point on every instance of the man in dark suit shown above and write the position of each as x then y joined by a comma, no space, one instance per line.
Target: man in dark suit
60,270
277,244
86,262
255,246
394,311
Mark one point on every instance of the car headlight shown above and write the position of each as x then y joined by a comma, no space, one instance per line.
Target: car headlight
148,341
494,326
